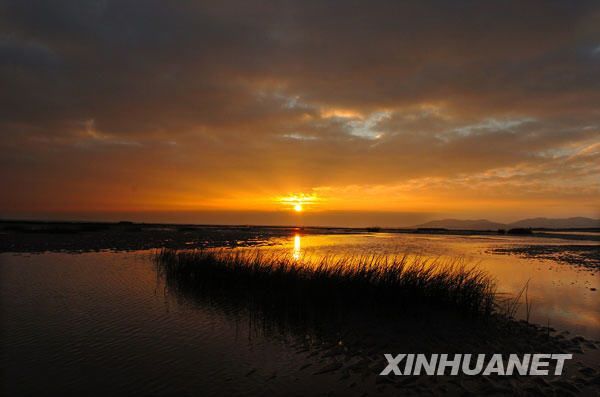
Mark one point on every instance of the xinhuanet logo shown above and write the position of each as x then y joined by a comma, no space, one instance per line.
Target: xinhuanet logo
475,364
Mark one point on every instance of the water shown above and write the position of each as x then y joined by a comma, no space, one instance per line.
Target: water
560,293
103,322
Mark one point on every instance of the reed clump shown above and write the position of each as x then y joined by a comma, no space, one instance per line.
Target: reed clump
330,286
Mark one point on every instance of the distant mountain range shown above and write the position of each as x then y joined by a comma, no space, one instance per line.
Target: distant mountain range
535,223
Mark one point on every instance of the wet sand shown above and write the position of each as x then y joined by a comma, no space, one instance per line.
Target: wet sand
585,256
32,236
356,360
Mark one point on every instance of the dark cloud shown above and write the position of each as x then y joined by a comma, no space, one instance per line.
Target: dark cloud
235,97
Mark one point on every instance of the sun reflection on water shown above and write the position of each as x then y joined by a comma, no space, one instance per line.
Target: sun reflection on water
297,248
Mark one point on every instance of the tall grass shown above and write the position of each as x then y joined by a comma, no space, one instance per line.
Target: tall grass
329,287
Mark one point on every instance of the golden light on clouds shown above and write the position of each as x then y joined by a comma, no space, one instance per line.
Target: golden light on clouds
349,129
341,113
298,202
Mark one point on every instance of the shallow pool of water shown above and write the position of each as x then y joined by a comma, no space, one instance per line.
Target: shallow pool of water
103,323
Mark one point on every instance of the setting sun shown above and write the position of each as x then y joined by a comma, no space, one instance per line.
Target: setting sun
298,202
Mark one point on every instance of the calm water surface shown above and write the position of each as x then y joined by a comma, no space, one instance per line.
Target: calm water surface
102,324
98,323
560,293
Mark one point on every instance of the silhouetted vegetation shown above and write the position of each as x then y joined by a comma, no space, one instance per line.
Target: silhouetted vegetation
330,287
520,231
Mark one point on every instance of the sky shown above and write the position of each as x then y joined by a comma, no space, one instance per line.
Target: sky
362,112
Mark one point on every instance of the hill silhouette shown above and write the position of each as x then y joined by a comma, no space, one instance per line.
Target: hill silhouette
535,223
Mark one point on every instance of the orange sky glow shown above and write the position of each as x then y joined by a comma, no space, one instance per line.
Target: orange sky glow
387,113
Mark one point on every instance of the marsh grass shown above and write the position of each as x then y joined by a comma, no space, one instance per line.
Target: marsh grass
328,289
508,305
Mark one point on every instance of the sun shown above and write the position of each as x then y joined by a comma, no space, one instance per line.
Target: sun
298,203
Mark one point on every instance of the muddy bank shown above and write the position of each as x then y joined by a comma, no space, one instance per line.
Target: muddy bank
84,237
37,236
353,356
356,360
585,256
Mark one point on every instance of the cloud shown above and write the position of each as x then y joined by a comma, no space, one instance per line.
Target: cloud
195,103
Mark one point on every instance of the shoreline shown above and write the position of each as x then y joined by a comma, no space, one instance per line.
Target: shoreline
36,236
